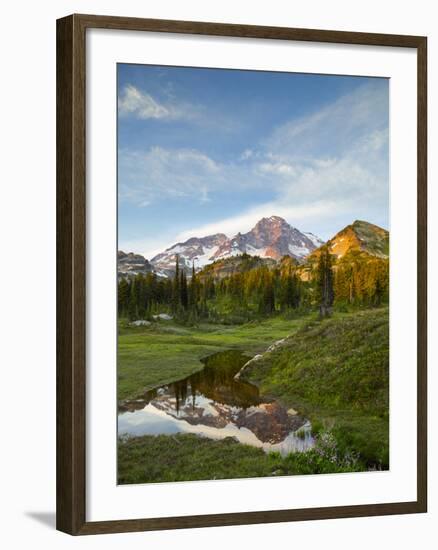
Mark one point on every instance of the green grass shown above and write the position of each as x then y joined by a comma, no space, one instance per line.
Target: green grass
336,372
165,352
376,239
333,371
152,459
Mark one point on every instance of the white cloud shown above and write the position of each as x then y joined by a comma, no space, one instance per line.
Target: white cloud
203,195
159,173
337,153
246,221
248,153
133,101
322,171
336,127
373,142
277,168
140,104
295,215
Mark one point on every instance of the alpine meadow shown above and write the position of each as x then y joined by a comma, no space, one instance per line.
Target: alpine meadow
253,274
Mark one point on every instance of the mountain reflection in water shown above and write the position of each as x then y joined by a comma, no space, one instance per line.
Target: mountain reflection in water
212,403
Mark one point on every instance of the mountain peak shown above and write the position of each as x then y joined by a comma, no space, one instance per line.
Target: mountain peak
132,264
272,220
363,223
361,236
271,237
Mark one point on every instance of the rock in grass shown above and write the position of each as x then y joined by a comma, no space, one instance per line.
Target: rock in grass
163,317
140,323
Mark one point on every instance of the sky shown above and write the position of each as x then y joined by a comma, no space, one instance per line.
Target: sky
203,151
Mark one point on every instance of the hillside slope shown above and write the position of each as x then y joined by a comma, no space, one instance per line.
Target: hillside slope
235,264
337,373
360,236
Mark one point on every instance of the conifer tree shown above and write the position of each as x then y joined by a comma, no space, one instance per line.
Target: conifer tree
176,293
378,292
324,280
267,296
122,297
184,297
142,298
193,290
132,306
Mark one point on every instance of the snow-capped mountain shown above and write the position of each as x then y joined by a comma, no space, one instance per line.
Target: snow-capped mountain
315,240
270,238
132,264
198,250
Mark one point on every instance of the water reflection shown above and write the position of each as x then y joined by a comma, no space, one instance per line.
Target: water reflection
212,403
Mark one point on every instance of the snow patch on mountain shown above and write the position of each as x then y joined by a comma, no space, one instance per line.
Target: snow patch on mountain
299,251
204,259
271,237
315,240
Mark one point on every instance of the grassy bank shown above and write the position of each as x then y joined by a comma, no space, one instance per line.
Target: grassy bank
153,459
333,371
336,372
165,352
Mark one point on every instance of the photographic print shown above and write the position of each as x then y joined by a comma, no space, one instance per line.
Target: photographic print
253,274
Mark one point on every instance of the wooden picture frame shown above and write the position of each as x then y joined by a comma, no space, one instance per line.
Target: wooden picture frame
71,273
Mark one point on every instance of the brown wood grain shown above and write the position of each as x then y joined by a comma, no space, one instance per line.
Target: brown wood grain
71,270
71,265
